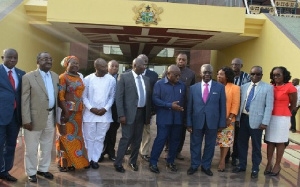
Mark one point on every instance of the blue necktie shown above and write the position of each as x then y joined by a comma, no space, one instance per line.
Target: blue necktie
141,89
250,96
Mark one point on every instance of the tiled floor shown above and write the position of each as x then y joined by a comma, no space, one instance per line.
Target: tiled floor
107,176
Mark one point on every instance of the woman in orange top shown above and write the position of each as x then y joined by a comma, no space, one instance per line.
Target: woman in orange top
71,152
225,136
277,132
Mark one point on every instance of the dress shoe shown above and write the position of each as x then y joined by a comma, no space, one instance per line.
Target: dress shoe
172,167
234,162
179,156
128,152
154,168
101,158
274,174
8,177
134,167
47,175
207,171
254,174
237,170
32,178
293,130
119,168
268,170
146,158
88,167
191,171
94,165
112,158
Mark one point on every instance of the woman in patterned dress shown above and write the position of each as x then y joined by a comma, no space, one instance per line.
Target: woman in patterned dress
71,151
225,136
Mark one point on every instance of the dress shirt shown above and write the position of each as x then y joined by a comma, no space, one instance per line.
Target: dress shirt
164,94
99,93
14,74
248,91
298,95
137,85
49,87
203,86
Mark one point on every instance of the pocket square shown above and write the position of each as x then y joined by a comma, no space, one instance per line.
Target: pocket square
215,92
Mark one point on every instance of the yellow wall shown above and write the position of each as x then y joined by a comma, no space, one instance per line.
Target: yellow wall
271,49
29,41
119,12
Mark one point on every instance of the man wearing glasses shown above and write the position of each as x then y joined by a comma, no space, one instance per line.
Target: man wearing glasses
239,79
254,116
39,101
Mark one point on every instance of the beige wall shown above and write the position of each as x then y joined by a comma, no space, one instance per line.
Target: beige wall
29,41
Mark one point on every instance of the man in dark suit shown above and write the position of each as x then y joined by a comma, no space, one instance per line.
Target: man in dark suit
133,99
206,113
146,139
10,111
110,138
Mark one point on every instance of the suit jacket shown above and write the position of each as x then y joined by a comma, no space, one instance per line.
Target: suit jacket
261,105
233,95
214,110
35,101
127,97
8,96
153,76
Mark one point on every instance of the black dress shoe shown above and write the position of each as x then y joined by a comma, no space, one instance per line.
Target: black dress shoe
88,167
207,171
237,170
254,174
112,158
119,168
234,162
191,171
101,158
134,167
154,168
47,175
146,158
94,165
8,177
172,167
32,178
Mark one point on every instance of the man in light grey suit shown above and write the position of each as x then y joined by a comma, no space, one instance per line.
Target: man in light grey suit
39,101
254,116
133,100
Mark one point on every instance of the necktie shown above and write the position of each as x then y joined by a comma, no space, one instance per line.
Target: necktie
250,96
141,89
205,93
12,81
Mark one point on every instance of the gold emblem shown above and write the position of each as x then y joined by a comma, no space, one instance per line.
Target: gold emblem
147,15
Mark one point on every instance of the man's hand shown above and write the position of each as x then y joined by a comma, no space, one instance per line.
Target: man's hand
189,129
175,106
94,111
122,120
237,123
28,126
262,127
101,112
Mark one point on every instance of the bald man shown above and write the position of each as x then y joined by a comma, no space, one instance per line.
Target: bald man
168,97
98,98
133,99
10,111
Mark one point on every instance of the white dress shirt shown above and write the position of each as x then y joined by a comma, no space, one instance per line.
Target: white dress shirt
99,93
248,91
47,78
137,85
203,86
14,74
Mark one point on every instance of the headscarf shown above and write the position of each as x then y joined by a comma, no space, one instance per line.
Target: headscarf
65,62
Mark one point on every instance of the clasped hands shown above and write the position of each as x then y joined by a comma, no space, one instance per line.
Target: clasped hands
99,112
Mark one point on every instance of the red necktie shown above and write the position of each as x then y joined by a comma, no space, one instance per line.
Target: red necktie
12,81
205,93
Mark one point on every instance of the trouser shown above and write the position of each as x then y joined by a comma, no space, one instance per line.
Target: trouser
110,139
38,146
94,135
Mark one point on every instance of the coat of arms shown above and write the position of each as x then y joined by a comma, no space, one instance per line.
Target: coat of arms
147,15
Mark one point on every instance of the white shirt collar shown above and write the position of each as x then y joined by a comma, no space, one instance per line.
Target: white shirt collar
7,69
203,83
135,75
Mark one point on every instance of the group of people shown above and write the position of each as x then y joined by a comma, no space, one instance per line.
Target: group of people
87,112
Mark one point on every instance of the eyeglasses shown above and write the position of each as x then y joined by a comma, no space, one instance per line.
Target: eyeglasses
257,74
46,59
276,75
